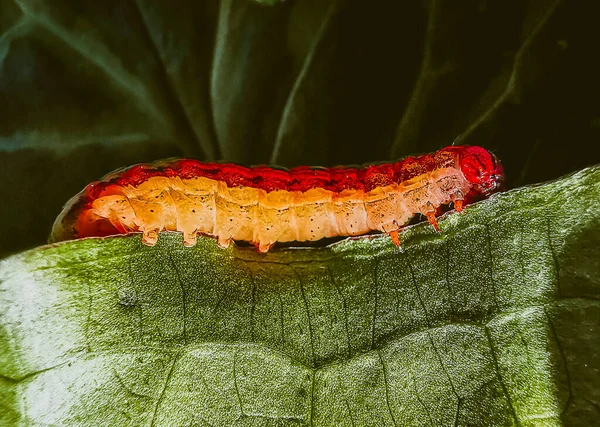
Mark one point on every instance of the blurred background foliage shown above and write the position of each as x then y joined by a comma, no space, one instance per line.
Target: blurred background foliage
86,87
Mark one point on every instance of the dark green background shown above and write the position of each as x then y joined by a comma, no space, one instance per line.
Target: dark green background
86,87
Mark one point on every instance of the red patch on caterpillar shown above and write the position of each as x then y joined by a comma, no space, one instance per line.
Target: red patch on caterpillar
265,205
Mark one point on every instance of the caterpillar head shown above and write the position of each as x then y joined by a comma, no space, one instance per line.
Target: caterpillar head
482,169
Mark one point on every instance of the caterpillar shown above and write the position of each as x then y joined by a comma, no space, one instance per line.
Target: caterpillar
265,205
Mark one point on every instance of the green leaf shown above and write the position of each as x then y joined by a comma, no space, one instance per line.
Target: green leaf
495,321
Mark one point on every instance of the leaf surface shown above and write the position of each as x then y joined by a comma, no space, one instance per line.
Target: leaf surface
495,321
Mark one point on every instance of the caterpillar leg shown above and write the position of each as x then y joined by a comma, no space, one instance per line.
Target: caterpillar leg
150,237
429,211
458,205
458,200
431,217
393,230
395,236
189,238
223,242
263,248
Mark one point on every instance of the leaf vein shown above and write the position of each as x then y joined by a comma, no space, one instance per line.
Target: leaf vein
387,387
499,374
164,388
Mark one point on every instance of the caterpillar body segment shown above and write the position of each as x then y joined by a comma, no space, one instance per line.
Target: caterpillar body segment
264,205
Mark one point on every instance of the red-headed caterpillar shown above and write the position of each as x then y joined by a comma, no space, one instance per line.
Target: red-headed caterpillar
264,205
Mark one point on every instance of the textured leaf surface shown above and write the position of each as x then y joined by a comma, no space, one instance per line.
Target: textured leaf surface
496,321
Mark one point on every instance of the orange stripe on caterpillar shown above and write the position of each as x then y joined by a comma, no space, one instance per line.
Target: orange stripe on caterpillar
265,205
